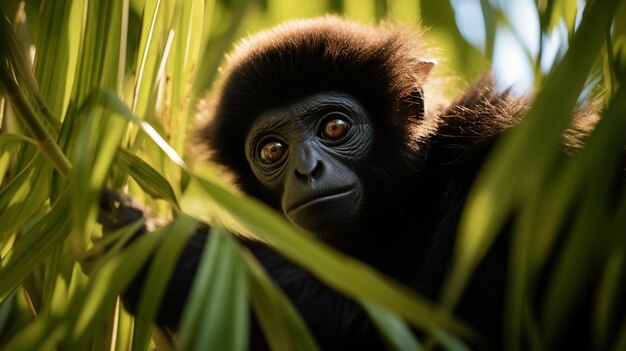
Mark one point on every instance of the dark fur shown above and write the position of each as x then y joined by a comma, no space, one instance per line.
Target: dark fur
297,59
421,167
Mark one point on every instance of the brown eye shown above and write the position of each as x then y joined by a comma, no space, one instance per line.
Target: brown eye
272,151
335,129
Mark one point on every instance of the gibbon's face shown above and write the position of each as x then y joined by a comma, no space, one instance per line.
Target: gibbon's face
305,152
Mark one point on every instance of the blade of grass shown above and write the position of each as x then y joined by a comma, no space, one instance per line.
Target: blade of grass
110,278
608,295
97,144
176,235
582,251
71,329
397,334
575,268
183,65
15,95
282,326
114,104
57,52
23,196
620,342
99,66
347,275
517,279
216,315
519,161
8,143
146,61
147,177
34,247
212,56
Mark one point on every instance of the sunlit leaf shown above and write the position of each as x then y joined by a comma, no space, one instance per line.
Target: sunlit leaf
526,156
349,276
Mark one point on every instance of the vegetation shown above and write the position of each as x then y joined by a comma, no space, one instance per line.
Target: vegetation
103,93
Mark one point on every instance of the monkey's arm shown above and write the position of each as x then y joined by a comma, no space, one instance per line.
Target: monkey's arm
335,321
117,211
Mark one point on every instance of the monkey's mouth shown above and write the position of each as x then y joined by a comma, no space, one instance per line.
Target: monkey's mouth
318,199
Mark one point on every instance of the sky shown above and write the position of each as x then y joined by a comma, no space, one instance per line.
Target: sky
510,62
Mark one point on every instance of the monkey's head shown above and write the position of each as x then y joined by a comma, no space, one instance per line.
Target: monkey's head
323,119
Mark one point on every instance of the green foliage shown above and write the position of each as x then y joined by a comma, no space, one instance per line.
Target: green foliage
110,103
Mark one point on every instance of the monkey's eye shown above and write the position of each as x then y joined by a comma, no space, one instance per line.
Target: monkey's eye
272,151
334,127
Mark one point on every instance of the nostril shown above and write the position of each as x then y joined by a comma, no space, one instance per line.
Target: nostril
317,170
307,175
300,176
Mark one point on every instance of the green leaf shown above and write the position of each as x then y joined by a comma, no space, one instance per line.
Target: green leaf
527,154
609,295
216,315
57,52
395,332
70,329
282,326
34,247
176,236
347,275
97,144
147,177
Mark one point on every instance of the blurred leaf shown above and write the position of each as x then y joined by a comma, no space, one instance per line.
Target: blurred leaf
461,58
183,65
13,72
216,315
396,333
110,278
73,327
618,47
282,326
566,11
610,293
9,142
33,247
7,138
14,316
212,56
163,262
381,9
545,9
620,343
576,265
57,52
491,24
23,196
347,275
97,144
100,65
542,216
526,155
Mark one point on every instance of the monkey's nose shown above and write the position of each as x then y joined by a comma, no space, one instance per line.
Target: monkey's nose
308,165
309,173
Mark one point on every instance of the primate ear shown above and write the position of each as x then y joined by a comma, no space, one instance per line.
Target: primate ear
413,104
423,67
